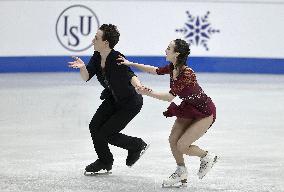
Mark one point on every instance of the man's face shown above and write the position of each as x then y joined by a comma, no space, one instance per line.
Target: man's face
98,42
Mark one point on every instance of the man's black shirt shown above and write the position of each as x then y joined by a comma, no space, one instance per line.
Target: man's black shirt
114,78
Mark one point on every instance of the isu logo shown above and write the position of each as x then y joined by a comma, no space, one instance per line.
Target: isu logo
76,27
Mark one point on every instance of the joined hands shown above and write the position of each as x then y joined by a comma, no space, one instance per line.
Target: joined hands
143,90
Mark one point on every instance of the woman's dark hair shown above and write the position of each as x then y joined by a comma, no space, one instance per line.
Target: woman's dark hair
110,34
182,47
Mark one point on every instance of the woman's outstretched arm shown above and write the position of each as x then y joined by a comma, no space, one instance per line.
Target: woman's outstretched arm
161,96
146,68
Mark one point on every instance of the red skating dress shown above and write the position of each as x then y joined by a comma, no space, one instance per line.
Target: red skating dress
195,103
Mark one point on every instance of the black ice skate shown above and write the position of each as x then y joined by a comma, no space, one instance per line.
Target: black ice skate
134,156
98,168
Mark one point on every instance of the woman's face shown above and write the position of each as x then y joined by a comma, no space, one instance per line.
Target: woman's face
171,55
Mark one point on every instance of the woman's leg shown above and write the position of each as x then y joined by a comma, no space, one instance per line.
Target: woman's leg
177,131
193,133
179,177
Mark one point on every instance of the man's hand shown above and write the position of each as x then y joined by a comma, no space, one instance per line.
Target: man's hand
77,63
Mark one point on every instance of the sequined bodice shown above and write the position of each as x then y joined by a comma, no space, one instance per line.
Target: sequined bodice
185,86
195,103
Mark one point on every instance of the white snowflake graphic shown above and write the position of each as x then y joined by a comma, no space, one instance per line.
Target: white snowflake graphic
197,30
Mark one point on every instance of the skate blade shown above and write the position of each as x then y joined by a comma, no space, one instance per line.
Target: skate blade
141,154
143,151
177,185
97,173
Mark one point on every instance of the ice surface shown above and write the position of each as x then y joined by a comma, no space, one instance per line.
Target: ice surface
45,142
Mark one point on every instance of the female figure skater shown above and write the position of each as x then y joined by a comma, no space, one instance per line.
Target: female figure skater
194,110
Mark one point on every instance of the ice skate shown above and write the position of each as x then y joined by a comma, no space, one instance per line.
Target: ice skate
206,163
98,168
177,180
100,173
133,157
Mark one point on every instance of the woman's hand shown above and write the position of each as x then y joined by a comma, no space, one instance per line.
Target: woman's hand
77,63
143,90
122,61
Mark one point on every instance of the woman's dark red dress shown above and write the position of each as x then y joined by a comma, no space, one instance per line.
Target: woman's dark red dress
195,103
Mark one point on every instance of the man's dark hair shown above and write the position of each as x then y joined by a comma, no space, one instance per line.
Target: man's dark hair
110,34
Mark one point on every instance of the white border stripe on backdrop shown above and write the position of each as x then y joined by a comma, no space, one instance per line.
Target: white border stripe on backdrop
245,36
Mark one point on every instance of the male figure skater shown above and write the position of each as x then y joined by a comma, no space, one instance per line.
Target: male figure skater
121,103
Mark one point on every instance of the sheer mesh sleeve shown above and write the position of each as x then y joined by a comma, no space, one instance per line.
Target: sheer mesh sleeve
163,70
126,71
91,66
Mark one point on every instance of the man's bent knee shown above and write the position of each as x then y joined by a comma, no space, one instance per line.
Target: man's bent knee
93,128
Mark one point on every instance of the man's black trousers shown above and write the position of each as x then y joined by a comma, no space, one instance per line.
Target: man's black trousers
110,118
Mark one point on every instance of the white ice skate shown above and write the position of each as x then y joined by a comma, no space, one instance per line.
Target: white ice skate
206,163
177,180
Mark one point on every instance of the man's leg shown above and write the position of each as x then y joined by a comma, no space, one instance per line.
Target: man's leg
109,133
102,115
110,130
